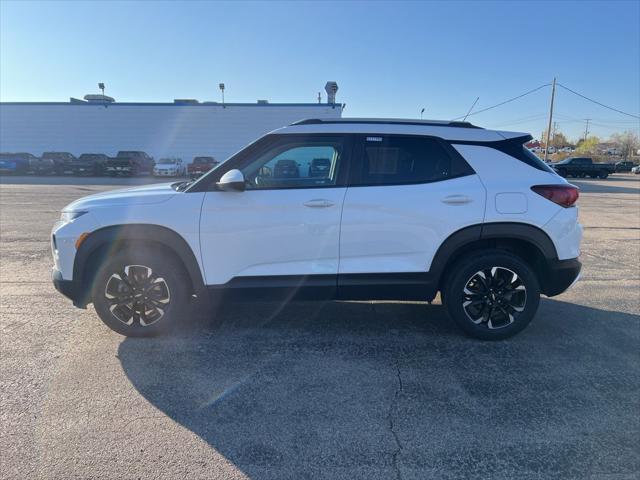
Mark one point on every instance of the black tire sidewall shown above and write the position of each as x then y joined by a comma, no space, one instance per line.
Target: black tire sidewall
163,265
462,272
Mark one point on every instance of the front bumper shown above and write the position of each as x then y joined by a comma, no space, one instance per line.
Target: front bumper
560,275
69,289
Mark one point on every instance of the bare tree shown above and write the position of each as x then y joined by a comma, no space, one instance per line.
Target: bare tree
627,143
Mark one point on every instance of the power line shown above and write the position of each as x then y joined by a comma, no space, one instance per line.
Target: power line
505,102
598,103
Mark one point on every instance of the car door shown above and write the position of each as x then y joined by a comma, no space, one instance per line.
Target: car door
284,228
406,195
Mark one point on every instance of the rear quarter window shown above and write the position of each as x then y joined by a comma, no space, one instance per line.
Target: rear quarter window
401,160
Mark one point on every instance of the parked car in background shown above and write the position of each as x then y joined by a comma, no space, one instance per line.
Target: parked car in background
581,167
89,164
624,166
636,170
129,163
201,165
169,167
61,162
15,163
41,166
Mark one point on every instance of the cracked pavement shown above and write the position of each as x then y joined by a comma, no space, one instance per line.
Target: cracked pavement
329,390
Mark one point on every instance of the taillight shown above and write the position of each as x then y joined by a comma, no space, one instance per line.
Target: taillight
563,195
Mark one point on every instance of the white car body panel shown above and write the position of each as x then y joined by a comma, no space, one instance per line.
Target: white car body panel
399,228
157,205
270,232
509,182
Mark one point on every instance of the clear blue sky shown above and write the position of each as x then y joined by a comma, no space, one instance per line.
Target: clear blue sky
389,59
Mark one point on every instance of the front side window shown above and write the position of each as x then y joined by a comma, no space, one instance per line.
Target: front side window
309,164
404,160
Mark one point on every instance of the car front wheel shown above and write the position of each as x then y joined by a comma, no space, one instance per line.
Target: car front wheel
492,294
140,293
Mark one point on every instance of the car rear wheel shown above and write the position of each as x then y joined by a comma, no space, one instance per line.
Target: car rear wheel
492,294
602,174
140,293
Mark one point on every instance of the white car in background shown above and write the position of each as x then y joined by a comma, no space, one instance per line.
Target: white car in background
169,167
636,170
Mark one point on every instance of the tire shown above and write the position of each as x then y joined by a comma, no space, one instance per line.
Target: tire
499,316
155,272
562,172
602,174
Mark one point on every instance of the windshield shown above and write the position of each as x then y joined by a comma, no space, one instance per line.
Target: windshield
167,161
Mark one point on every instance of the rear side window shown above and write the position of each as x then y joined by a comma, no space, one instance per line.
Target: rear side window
400,160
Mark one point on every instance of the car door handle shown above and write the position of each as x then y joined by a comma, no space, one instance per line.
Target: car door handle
318,203
456,199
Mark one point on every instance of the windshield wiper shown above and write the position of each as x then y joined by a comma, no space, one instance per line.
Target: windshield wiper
181,186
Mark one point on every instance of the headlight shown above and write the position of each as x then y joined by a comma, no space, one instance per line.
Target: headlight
67,217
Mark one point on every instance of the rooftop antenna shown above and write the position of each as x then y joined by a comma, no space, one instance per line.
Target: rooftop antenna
319,98
422,112
473,105
221,87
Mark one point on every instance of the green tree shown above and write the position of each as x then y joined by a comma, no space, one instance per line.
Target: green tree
588,145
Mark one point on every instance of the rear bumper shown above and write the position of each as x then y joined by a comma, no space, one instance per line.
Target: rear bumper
560,275
68,288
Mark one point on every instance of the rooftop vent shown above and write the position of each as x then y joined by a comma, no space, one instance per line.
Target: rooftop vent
263,102
97,98
331,88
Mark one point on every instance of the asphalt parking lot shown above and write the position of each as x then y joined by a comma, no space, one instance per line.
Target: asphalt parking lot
329,390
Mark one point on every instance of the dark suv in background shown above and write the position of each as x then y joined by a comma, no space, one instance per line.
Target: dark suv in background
130,163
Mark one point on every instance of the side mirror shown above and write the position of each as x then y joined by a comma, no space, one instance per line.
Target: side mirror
232,181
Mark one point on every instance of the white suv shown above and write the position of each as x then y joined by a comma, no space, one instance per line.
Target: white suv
334,209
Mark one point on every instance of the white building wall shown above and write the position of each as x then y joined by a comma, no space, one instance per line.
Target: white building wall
161,130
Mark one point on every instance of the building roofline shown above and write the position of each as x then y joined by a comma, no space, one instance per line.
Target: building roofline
174,104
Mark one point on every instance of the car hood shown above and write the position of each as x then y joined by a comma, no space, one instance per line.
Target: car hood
144,195
166,166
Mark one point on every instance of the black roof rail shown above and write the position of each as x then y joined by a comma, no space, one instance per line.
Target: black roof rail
382,121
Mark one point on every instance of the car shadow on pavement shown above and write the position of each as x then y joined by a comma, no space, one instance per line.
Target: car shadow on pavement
390,390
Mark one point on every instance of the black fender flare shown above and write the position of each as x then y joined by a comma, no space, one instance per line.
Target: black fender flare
491,231
143,233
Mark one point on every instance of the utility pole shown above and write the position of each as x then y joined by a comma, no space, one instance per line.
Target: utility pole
553,138
586,128
553,96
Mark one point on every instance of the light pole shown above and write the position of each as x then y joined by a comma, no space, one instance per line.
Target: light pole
101,87
421,112
221,87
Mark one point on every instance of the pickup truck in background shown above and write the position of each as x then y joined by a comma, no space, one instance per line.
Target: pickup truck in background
200,166
90,164
581,167
129,163
61,161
